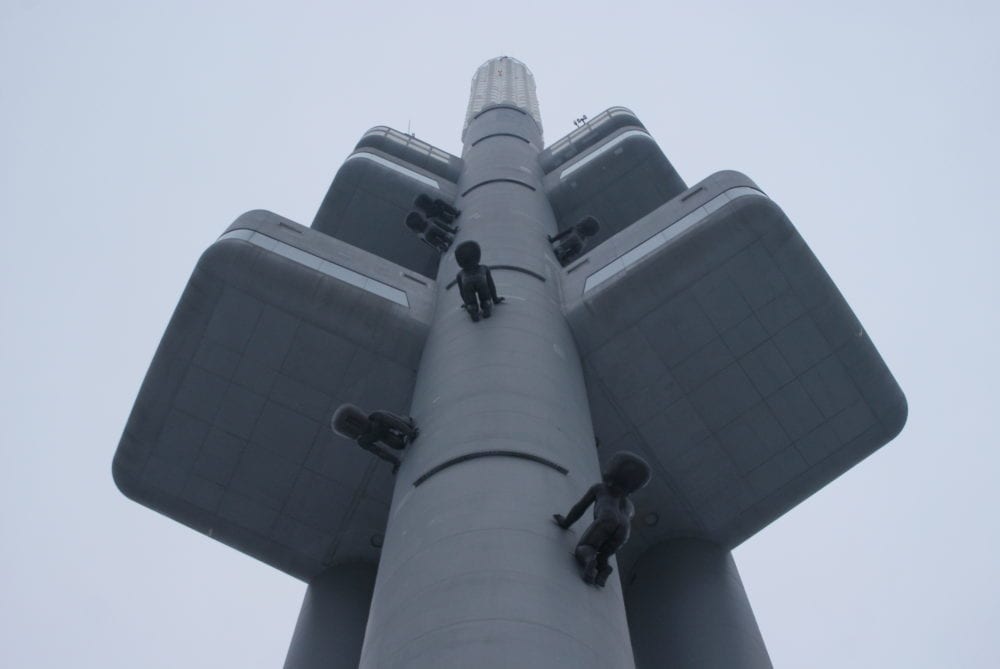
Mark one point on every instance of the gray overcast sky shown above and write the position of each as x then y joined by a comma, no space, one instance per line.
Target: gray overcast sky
133,133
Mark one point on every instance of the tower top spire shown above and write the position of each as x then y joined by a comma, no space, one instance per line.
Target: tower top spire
503,81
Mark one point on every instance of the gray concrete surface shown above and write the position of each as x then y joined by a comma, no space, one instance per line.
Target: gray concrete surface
331,624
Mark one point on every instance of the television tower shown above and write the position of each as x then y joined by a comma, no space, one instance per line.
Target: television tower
690,325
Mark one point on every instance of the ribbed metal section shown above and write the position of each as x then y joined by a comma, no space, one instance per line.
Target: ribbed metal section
503,81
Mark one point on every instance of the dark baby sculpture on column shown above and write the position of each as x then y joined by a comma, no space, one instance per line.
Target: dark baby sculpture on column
438,210
613,511
475,283
431,233
378,426
571,242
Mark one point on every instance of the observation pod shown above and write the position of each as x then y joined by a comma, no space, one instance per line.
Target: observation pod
691,326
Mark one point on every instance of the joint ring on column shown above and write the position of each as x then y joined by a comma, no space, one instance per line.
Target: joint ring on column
495,181
489,454
512,268
500,106
502,134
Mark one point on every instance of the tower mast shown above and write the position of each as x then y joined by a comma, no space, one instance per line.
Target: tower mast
473,571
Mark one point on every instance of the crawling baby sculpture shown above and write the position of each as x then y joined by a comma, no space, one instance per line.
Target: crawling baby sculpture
377,427
475,282
624,474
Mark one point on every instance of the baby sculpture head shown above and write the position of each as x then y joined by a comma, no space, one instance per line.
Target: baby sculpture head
350,421
626,471
416,222
467,254
424,201
588,227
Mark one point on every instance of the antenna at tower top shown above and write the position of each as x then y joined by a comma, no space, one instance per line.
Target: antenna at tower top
503,81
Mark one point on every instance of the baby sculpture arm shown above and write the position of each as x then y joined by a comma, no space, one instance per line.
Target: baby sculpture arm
492,287
574,514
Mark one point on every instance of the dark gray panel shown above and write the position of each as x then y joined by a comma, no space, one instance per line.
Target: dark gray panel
677,329
745,336
218,463
766,368
239,410
695,370
753,438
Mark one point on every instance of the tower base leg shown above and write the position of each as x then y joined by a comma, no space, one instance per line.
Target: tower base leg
331,625
687,609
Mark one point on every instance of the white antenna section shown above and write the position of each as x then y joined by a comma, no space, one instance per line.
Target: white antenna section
503,80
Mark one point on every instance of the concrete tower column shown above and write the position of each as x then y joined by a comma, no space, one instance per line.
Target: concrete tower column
688,610
331,624
473,571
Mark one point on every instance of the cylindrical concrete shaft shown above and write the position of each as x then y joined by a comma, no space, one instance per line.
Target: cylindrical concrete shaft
687,610
473,572
331,624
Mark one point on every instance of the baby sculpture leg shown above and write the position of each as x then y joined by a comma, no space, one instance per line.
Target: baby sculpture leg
608,549
481,287
592,551
394,431
470,299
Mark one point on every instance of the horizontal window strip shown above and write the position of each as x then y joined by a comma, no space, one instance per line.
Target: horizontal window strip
379,160
321,265
640,251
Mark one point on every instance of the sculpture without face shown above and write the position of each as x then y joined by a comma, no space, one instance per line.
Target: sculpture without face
416,222
424,201
588,227
613,511
468,255
475,282
350,421
436,208
571,242
375,430
626,471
